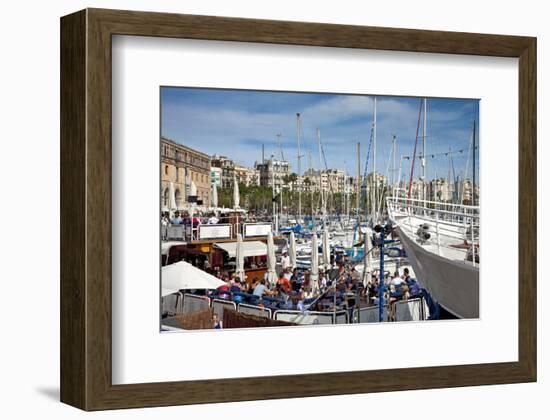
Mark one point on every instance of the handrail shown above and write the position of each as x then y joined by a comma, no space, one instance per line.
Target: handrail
407,200
455,213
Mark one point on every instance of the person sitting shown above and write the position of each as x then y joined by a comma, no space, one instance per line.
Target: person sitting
297,297
283,282
406,276
260,289
322,281
288,273
397,280
176,220
296,285
415,289
236,285
224,288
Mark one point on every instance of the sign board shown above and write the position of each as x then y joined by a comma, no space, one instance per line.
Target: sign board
214,231
256,229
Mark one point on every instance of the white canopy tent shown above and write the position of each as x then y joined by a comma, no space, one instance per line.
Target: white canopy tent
271,274
250,248
182,275
292,250
236,197
314,261
239,257
326,249
171,197
214,195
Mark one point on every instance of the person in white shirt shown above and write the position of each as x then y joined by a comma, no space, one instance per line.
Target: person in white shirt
322,281
285,261
397,280
213,220
288,273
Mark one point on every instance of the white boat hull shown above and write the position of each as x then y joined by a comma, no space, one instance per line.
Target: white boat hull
453,284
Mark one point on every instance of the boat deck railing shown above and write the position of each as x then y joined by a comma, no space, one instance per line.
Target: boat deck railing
201,232
453,224
181,303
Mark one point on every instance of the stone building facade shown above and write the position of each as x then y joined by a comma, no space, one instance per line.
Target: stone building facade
227,167
273,171
180,165
247,176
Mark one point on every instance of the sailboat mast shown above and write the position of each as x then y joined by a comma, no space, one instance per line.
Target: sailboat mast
375,200
424,153
394,140
320,175
298,123
310,185
358,180
273,194
474,164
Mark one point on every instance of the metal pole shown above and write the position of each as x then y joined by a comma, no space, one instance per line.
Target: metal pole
424,155
381,288
273,194
358,189
474,166
375,198
299,169
394,157
321,189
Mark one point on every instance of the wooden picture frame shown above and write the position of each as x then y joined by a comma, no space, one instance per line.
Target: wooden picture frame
86,168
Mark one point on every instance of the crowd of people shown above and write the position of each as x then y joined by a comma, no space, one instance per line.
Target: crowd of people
184,218
340,284
205,218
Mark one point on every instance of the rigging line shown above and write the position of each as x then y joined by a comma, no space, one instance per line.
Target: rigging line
433,155
368,153
364,180
414,152
326,168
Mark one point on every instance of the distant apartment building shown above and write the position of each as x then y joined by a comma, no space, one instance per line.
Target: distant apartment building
318,180
216,176
331,180
247,176
465,192
336,180
181,165
273,171
441,190
419,189
352,184
227,167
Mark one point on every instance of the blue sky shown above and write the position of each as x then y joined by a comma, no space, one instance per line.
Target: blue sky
236,123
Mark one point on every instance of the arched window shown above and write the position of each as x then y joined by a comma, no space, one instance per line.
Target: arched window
166,170
165,197
177,195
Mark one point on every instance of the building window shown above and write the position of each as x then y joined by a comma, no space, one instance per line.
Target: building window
177,175
166,170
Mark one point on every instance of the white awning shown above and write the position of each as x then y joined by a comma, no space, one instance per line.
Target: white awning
183,275
251,248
